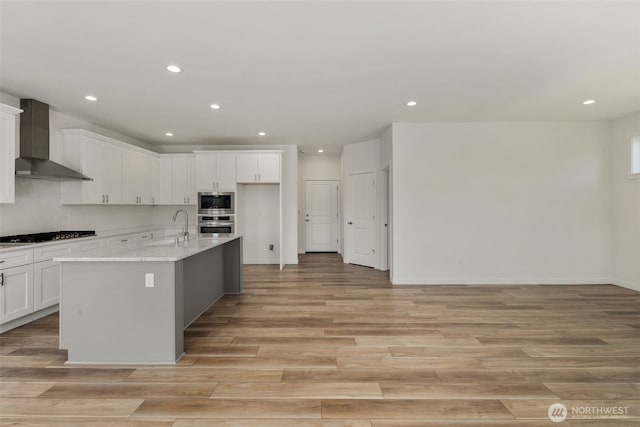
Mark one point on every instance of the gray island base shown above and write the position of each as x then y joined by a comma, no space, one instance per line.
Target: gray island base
132,306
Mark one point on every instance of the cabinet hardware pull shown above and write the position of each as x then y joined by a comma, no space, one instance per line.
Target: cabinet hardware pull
103,198
107,198
1,279
2,261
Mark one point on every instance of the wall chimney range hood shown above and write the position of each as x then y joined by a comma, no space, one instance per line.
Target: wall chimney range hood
34,160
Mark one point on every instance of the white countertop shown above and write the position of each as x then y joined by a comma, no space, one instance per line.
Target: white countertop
156,250
99,235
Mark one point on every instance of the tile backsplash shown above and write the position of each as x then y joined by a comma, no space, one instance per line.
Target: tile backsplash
37,208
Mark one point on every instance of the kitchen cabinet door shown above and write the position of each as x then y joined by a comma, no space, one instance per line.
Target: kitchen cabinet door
92,166
136,173
206,172
112,173
16,292
161,181
268,167
146,164
181,178
246,168
7,152
216,172
226,172
47,284
192,192
131,177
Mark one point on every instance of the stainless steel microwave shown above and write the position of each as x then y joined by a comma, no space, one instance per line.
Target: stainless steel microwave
214,203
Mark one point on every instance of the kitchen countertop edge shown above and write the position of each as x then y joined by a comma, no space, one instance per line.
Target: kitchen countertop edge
148,252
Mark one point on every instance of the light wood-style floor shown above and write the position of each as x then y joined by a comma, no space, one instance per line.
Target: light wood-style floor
326,344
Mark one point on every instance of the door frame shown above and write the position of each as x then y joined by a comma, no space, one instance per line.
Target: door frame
304,205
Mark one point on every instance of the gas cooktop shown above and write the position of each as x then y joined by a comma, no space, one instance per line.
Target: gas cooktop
47,237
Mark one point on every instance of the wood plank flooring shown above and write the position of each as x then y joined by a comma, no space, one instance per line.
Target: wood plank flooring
328,344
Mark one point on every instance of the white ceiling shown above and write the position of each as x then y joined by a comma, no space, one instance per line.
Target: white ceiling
319,74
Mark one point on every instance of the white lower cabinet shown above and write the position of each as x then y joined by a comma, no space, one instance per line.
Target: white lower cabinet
122,240
30,279
16,292
47,284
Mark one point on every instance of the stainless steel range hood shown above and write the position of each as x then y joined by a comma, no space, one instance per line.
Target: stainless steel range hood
34,160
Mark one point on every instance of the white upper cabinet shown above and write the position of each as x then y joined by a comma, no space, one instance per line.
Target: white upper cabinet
161,184
112,173
258,168
215,172
183,180
96,158
7,152
137,175
269,167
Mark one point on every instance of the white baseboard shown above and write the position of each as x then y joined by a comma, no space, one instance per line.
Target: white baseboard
501,281
625,284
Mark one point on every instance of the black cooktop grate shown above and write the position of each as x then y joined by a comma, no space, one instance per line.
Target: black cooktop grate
47,236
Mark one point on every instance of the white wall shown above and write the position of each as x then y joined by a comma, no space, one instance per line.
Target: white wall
261,223
625,197
37,206
501,203
319,167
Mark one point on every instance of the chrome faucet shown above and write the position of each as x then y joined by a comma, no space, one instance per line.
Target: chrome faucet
185,232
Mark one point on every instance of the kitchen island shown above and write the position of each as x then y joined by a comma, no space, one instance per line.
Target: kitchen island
131,305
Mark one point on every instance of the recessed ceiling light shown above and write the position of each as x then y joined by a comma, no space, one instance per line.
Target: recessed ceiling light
168,134
321,151
262,133
412,104
90,98
215,106
589,102
174,68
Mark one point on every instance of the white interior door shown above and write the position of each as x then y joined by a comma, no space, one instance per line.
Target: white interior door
360,229
321,216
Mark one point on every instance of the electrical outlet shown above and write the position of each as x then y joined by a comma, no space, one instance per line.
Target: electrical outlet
149,280
271,247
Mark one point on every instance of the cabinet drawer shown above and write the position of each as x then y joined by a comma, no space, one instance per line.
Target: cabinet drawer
145,237
15,258
46,253
91,244
122,240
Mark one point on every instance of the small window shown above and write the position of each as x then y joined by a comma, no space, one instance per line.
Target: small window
635,155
